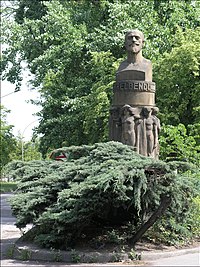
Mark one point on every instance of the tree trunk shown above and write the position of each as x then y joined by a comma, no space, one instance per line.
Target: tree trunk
164,204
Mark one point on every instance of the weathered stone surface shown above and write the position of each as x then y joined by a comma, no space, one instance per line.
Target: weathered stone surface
133,118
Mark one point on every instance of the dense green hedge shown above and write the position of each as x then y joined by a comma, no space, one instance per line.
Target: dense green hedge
99,186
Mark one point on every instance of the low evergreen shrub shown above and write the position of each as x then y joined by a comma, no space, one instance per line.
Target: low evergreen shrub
102,186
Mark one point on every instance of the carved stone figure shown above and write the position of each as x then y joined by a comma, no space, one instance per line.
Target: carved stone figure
148,125
135,122
156,131
144,133
115,124
128,125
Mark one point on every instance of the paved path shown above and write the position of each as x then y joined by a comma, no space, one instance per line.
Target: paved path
191,259
9,232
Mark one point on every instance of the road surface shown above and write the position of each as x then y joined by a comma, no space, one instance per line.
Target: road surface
191,259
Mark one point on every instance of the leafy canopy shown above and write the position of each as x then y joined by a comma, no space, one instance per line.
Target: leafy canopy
7,140
177,79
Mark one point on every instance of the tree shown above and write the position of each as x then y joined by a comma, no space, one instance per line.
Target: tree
8,142
177,78
78,115
72,48
29,9
26,150
177,144
11,146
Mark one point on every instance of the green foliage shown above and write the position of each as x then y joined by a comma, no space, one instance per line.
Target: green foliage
194,218
17,169
25,254
180,229
10,251
173,231
176,144
7,140
26,150
6,187
75,256
83,112
103,185
73,48
194,130
178,92
11,146
29,9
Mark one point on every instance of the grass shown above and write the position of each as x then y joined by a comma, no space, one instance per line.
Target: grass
6,187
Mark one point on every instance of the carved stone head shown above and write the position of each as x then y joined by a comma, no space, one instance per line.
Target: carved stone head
155,110
134,41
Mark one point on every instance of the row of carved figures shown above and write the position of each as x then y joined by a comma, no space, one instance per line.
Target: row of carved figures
137,127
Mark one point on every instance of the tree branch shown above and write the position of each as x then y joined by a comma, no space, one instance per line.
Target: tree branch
164,204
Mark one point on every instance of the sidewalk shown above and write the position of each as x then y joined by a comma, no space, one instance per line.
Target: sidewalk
24,251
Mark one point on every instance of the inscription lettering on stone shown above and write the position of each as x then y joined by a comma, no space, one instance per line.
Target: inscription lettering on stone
141,86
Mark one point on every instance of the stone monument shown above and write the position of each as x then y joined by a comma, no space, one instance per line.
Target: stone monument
133,113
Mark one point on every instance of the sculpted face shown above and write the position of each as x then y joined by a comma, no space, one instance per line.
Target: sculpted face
134,41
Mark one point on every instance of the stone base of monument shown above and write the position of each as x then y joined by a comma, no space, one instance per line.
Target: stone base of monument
137,126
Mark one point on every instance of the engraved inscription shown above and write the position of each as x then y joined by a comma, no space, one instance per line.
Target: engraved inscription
139,86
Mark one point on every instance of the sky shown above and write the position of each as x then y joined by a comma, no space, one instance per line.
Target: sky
21,114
